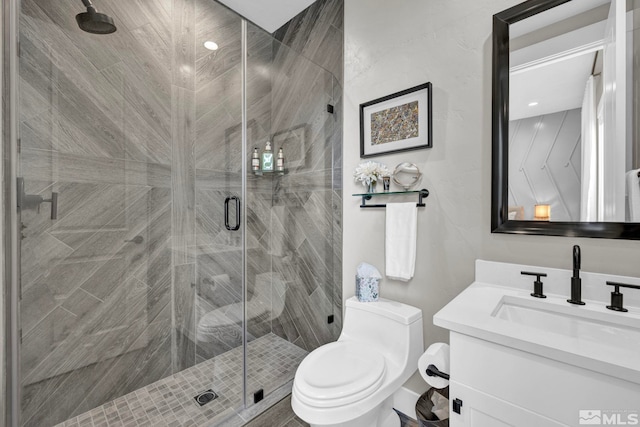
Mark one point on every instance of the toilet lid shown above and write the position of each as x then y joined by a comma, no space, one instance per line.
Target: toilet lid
339,373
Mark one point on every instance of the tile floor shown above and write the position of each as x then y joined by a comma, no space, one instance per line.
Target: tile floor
271,361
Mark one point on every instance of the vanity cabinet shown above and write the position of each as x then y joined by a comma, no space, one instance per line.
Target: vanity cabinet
482,409
502,386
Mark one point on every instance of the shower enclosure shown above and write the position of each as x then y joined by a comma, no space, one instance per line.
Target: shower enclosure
146,262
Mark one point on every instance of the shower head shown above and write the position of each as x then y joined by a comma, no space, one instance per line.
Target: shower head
93,22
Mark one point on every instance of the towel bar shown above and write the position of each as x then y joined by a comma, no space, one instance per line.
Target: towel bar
367,196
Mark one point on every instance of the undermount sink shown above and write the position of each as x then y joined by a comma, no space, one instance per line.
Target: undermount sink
571,321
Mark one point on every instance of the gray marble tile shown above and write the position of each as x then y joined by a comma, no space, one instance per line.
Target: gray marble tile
183,43
218,141
226,32
63,16
32,102
224,89
184,283
183,174
70,62
307,32
37,303
143,141
46,165
132,14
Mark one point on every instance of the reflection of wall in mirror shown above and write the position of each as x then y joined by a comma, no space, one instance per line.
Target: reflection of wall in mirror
538,51
544,164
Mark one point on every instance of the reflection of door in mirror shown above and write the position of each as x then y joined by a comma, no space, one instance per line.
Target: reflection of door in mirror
566,65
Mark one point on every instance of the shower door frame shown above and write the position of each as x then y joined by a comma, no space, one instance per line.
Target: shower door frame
10,245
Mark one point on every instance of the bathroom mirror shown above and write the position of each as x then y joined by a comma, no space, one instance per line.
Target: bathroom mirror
566,148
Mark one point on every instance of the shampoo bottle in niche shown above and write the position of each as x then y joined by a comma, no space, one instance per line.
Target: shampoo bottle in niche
255,160
267,158
280,161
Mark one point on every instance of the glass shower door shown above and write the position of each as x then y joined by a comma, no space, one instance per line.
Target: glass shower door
95,230
131,278
290,221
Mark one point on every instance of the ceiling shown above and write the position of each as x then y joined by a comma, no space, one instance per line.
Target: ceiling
557,86
551,75
268,14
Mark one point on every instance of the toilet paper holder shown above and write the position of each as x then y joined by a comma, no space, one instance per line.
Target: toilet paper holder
433,371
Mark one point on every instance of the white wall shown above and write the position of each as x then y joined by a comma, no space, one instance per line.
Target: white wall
394,45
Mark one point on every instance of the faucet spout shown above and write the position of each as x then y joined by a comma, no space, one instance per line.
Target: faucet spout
576,261
576,282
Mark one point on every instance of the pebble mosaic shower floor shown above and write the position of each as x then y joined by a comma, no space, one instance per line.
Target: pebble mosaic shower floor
271,361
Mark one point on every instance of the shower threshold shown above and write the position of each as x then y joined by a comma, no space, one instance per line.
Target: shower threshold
271,361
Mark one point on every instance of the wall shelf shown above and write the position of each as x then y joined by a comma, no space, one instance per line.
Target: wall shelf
274,172
367,196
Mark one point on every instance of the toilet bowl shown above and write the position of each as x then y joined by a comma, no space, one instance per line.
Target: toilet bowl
351,382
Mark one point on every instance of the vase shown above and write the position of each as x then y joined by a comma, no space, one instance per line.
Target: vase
372,187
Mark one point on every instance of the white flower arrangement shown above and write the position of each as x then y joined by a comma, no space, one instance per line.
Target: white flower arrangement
369,172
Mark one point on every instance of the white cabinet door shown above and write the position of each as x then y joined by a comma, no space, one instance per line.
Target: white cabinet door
483,410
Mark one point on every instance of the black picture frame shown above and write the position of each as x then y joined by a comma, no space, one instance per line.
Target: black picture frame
424,140
500,222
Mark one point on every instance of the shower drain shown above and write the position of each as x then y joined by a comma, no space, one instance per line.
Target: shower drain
205,397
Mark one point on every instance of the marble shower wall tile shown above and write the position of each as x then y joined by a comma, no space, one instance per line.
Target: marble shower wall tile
183,175
317,33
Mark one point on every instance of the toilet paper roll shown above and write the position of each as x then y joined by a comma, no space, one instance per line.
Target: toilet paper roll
438,355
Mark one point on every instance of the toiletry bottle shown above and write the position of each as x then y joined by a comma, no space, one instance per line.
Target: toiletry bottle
267,158
280,161
255,160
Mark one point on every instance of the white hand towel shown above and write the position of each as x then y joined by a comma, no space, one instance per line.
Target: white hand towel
400,242
633,194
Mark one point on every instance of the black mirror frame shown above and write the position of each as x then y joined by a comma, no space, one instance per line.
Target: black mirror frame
500,222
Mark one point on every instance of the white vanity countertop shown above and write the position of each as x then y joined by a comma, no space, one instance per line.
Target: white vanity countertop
473,313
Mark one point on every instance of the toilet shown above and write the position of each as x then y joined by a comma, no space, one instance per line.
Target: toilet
351,382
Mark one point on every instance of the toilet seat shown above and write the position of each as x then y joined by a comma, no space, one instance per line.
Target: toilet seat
338,374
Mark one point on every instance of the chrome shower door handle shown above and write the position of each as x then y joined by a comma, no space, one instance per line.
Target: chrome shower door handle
226,213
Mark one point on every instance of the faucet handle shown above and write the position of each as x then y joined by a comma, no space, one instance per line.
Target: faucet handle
537,284
616,295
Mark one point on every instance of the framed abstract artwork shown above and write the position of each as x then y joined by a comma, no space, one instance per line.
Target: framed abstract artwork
397,122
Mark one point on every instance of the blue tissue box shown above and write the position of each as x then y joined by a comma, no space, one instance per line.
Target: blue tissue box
367,288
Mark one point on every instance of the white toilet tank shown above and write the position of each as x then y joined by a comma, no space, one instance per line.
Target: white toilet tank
392,328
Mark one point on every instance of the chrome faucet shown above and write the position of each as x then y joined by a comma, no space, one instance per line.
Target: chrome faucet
576,282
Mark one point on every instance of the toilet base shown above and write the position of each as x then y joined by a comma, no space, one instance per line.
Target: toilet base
381,416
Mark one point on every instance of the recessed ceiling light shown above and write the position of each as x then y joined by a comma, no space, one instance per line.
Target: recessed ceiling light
211,45
533,104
